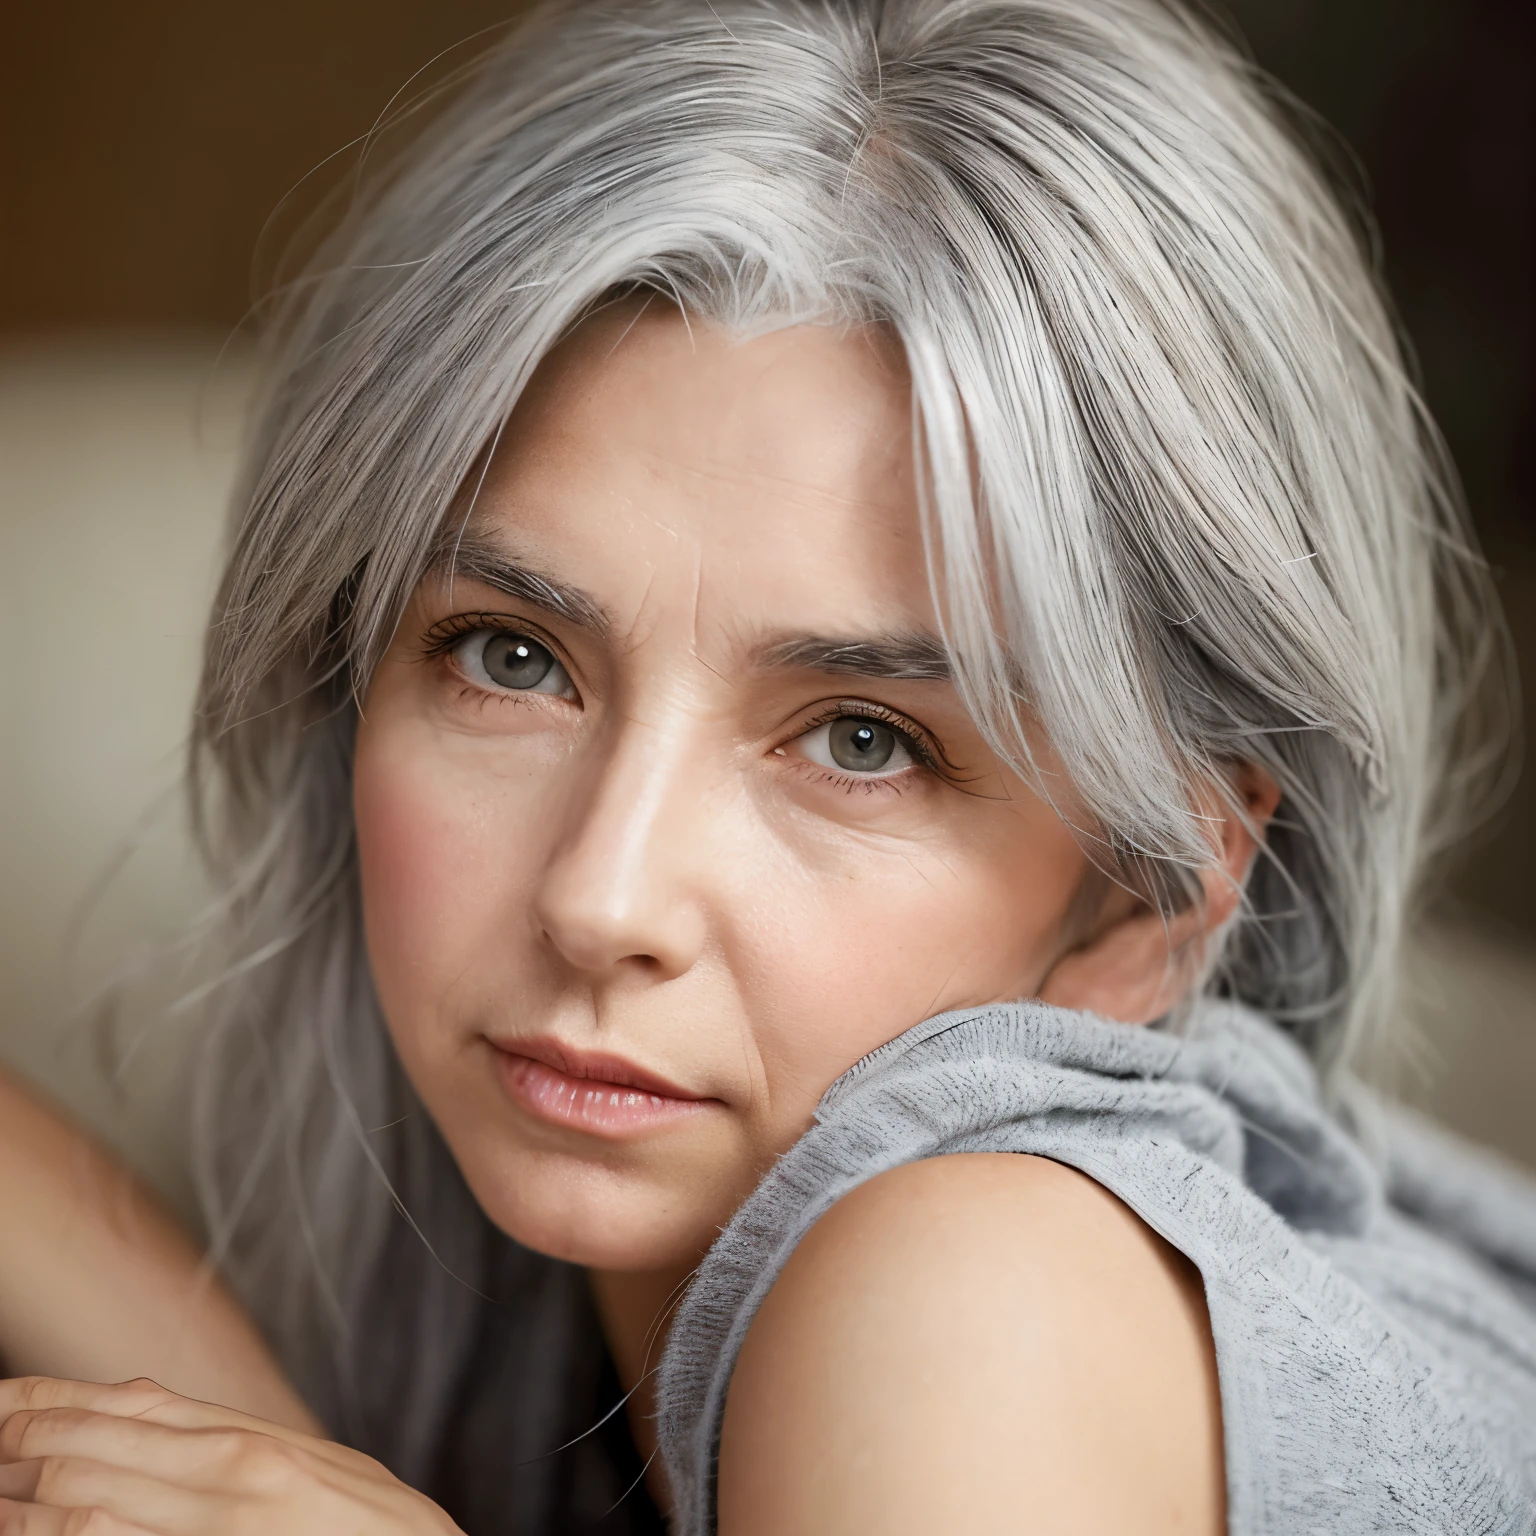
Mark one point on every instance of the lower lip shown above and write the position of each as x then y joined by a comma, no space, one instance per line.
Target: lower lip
587,1103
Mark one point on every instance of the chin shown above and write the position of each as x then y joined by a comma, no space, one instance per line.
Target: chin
598,1216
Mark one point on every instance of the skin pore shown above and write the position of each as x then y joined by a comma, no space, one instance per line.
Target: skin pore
667,815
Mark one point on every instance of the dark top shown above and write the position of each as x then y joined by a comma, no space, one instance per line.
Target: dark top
576,1472
497,1398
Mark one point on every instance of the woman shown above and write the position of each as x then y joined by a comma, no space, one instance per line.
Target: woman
780,531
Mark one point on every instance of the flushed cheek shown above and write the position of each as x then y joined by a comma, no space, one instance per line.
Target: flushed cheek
839,975
438,863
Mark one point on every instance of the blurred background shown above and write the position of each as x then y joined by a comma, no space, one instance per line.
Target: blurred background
156,159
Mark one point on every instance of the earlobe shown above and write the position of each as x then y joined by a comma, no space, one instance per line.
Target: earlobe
1141,962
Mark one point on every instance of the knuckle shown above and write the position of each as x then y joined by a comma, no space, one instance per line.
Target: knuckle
53,1478
232,1446
26,1433
13,1433
261,1462
36,1391
358,1461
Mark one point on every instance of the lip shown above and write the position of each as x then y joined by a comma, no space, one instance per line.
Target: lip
589,1091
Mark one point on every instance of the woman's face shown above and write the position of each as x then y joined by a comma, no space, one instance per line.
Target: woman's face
667,812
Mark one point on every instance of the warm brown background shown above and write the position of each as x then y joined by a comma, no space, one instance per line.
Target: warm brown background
145,143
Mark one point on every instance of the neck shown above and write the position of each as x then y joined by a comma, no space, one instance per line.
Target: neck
636,1310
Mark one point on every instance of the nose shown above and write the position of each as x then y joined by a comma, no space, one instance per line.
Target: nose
620,890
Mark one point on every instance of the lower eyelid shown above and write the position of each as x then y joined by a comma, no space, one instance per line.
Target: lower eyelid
873,783
472,691
854,783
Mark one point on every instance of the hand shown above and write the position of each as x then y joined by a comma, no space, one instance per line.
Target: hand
78,1459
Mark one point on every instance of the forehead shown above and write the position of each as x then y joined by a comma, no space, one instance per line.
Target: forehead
764,482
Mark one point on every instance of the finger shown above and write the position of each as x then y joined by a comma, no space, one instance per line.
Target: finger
146,1402
142,1399
77,1483
170,1479
28,1437
39,1520
127,1397
220,1460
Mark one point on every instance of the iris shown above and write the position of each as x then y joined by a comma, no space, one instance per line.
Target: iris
861,746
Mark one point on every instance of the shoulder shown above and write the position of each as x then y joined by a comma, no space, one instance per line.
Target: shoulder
977,1342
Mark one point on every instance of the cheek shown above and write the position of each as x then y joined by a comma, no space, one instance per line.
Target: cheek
434,863
962,920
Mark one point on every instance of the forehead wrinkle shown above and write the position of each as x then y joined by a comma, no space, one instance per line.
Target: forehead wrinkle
695,646
720,474
640,621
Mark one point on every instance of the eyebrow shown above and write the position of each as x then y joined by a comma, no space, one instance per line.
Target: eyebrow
472,556
917,657
912,657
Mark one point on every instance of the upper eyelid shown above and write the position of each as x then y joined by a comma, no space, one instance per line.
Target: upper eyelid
455,626
458,625
925,745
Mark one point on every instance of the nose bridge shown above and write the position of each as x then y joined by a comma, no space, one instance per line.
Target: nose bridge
618,886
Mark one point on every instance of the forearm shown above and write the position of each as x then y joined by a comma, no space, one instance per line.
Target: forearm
99,1283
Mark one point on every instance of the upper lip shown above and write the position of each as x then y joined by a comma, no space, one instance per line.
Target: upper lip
598,1066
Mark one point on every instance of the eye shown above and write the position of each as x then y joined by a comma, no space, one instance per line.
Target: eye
855,744
495,658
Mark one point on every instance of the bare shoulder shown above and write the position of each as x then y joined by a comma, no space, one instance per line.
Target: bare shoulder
981,1342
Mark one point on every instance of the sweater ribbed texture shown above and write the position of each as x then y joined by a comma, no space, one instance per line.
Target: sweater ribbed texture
1374,1316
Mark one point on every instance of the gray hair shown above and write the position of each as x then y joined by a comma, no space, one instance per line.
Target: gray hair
1185,506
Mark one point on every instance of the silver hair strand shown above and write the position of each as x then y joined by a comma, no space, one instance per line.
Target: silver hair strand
1185,510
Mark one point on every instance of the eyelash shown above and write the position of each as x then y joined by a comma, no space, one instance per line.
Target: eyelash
446,633
925,752
439,641
441,638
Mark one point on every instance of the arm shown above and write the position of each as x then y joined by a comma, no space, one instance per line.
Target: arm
97,1280
977,1343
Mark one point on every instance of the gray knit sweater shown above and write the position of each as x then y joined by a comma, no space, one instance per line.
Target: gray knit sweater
1374,1317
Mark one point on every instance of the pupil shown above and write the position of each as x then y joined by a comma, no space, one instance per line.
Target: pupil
862,746
514,661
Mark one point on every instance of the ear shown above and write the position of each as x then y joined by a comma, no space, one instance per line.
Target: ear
1138,963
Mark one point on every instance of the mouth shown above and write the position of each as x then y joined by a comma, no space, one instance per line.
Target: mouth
588,1090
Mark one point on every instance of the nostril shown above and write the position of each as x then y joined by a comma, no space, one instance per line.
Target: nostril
653,941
